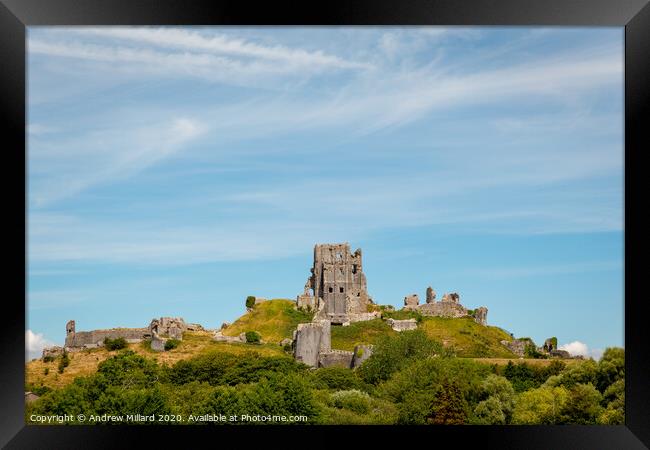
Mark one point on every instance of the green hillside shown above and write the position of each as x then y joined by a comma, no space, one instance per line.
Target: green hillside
274,320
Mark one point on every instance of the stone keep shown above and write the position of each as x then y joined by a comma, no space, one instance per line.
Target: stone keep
337,285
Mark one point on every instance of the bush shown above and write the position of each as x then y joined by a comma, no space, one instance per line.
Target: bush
46,371
353,399
392,353
253,337
48,358
250,301
171,344
115,344
64,361
217,368
338,378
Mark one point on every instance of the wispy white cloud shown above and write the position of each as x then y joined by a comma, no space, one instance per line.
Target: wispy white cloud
576,348
35,343
70,167
174,38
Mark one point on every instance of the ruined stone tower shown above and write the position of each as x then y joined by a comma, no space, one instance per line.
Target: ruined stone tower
337,285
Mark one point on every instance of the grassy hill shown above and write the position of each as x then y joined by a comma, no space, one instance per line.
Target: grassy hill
274,320
85,362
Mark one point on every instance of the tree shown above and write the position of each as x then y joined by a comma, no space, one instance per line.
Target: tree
498,401
583,406
540,406
449,405
250,301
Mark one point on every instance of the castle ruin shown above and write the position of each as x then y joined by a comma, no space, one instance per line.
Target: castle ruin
337,287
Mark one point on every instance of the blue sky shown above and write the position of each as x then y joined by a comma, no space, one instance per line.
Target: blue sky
174,171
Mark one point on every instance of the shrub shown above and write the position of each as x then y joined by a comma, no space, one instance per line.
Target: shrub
48,358
338,378
250,301
115,344
253,337
171,344
353,399
392,353
531,352
46,371
64,361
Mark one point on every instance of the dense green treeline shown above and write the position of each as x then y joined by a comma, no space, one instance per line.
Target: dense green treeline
409,379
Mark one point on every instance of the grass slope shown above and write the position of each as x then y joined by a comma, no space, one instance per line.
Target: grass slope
274,320
368,332
469,338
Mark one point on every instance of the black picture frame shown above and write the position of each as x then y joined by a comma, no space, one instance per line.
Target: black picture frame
16,15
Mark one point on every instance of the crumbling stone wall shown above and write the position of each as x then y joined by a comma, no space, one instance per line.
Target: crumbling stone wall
310,340
517,346
335,358
403,325
337,285
443,309
361,353
431,295
53,351
95,338
411,301
480,315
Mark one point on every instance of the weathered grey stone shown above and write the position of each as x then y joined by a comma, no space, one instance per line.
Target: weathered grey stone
560,353
362,317
402,325
311,339
361,353
306,301
336,287
431,295
550,344
219,337
443,309
453,298
30,397
53,351
286,341
194,327
95,338
335,358
225,325
480,315
518,346
158,343
411,301
259,300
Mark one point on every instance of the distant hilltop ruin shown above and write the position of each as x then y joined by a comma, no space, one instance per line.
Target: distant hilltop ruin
158,331
337,288
336,292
